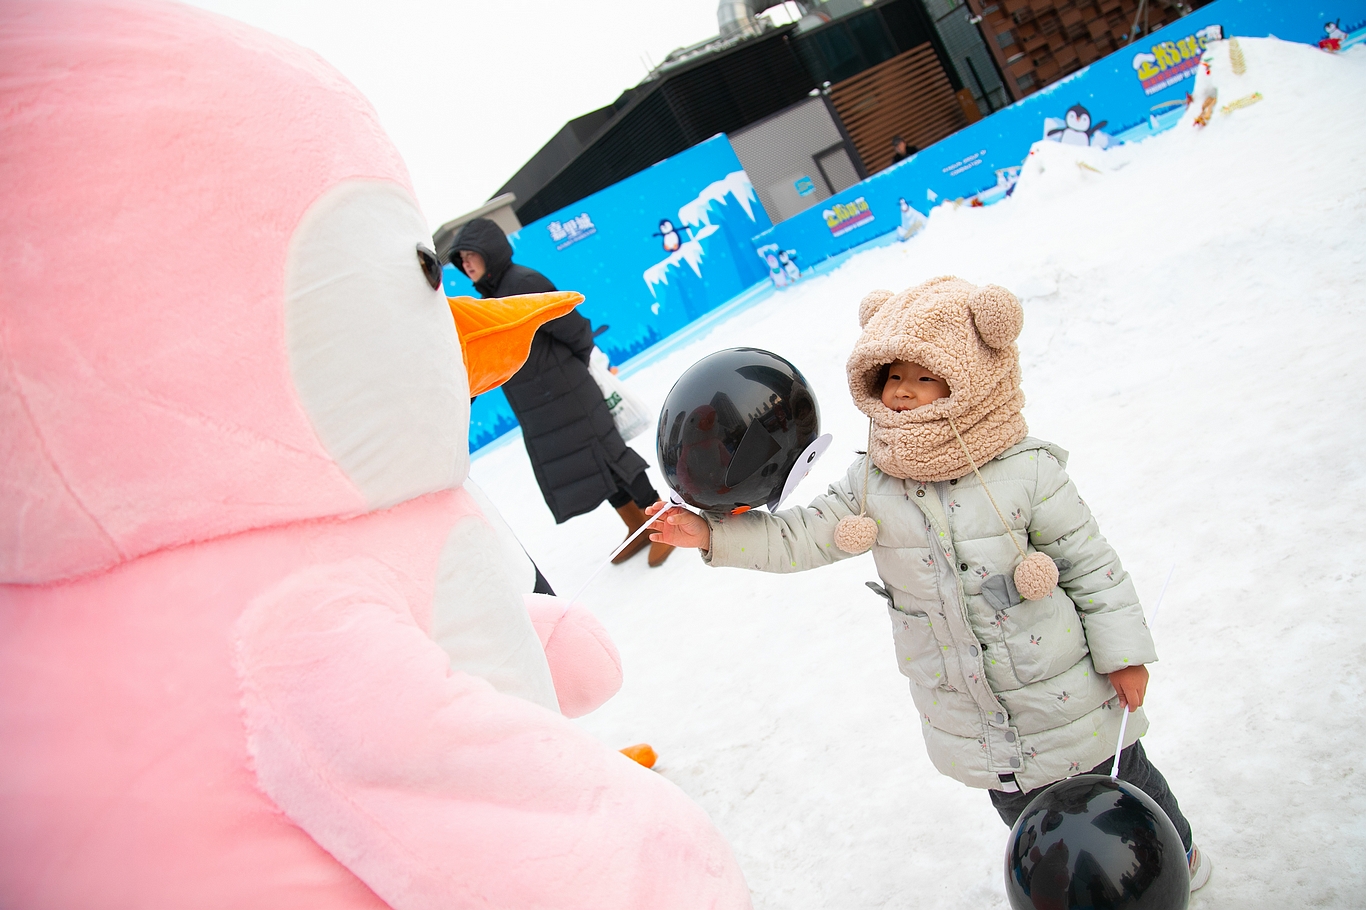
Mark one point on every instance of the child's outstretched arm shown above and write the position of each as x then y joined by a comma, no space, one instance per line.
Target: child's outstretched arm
788,541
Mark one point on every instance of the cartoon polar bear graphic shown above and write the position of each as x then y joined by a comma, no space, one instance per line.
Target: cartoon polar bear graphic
261,643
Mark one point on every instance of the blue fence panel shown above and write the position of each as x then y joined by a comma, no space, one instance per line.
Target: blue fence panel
1126,96
650,255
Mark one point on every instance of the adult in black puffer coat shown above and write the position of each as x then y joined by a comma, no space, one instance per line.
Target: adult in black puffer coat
578,456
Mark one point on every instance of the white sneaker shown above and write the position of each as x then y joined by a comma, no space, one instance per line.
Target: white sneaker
1200,868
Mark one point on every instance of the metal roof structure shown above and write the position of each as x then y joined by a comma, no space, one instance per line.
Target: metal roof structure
719,86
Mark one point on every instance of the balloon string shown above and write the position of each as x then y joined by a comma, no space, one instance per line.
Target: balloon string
1124,721
1010,532
1161,595
674,503
1114,769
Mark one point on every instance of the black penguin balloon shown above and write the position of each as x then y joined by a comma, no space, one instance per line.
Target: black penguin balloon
738,430
1096,843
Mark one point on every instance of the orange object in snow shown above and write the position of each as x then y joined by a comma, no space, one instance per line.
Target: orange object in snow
495,333
1206,111
641,754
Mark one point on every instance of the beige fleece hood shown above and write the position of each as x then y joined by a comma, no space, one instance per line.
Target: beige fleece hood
962,333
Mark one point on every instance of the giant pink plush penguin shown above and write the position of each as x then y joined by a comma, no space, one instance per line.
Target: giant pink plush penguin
261,643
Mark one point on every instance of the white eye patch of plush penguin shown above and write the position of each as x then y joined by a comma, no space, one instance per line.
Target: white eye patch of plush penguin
370,346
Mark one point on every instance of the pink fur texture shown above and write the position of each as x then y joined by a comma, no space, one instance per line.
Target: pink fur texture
259,644
584,662
142,291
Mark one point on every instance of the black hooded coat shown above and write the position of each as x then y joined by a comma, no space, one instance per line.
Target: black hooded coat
577,454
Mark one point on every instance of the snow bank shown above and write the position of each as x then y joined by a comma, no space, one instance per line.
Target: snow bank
1195,336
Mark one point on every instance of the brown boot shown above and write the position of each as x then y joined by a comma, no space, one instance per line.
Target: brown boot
634,516
658,553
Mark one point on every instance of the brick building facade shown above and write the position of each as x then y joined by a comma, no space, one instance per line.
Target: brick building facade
1037,42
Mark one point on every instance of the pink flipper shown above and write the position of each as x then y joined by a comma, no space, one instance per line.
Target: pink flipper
583,661
436,790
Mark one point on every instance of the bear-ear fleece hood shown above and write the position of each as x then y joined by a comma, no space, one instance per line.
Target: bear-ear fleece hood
964,334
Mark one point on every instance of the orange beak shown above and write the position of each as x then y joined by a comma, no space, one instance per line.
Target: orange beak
495,333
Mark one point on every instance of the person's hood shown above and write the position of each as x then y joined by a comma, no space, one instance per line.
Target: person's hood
486,238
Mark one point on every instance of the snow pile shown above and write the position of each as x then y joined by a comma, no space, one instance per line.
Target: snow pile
1194,336
1053,170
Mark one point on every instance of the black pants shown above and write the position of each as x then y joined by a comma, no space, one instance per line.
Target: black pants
1134,768
638,490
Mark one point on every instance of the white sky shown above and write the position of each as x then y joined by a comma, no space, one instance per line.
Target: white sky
469,91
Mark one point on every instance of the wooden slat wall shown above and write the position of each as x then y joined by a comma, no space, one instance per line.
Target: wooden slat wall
908,96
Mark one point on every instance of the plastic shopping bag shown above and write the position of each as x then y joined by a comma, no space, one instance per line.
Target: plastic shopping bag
629,413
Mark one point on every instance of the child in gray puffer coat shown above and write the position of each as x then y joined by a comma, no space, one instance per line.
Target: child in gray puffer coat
1018,628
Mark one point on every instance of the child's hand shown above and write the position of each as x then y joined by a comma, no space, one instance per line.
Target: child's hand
1130,683
680,528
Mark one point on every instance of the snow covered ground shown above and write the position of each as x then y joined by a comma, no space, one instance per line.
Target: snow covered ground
1194,336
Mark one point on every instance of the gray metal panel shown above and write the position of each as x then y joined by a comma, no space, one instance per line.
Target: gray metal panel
562,148
837,168
779,150
964,42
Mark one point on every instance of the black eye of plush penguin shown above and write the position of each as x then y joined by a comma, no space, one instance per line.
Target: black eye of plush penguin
431,266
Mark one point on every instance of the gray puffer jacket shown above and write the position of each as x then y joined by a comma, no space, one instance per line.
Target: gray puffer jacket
1004,686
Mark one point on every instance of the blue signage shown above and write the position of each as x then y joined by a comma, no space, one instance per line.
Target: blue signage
804,186
570,231
843,217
